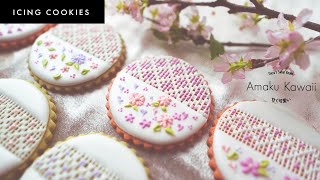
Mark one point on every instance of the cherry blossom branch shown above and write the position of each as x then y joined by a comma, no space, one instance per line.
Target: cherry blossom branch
258,8
202,40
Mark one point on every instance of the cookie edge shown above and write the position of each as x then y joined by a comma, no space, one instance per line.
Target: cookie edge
44,142
25,41
142,161
88,84
149,146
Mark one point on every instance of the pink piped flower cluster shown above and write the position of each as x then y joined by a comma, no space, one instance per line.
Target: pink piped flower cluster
164,100
165,121
136,99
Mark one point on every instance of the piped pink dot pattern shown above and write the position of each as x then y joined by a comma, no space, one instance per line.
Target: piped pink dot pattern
176,78
292,153
100,41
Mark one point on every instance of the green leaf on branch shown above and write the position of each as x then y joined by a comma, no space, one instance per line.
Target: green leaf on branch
216,48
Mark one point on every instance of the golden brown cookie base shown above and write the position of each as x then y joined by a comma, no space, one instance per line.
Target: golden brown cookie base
146,145
19,43
86,85
147,170
43,144
212,163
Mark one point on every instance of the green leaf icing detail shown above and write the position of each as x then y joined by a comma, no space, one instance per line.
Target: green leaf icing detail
216,48
263,172
135,108
128,105
69,63
39,42
85,71
51,49
44,63
76,66
63,56
56,77
157,128
264,164
169,131
155,104
164,108
232,155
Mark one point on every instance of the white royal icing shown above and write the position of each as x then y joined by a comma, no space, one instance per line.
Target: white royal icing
116,158
32,101
70,55
260,131
10,32
152,119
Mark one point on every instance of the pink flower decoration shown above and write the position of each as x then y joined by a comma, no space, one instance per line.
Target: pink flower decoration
134,7
196,27
164,15
65,69
301,19
164,100
165,121
290,47
136,99
228,66
250,21
290,178
249,166
131,7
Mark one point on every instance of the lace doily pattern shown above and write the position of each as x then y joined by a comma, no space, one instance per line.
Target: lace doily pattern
20,132
100,41
176,78
289,152
65,162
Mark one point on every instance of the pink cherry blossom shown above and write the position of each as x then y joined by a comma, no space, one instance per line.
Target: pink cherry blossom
249,166
165,121
301,19
289,47
196,26
250,21
164,15
131,7
136,99
233,66
164,100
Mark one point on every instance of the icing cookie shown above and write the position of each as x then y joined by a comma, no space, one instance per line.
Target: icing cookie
93,156
73,57
16,35
26,122
260,140
158,102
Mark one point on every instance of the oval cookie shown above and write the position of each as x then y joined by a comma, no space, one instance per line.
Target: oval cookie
159,101
93,156
15,35
73,57
26,119
260,140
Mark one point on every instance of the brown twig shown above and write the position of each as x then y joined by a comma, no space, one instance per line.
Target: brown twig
189,37
235,8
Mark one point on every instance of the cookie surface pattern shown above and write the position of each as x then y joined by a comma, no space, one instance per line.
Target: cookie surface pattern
73,54
253,140
92,156
22,123
16,31
160,100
